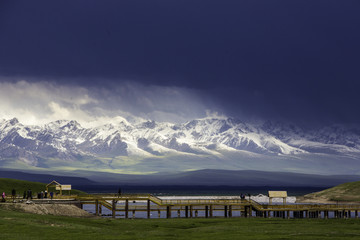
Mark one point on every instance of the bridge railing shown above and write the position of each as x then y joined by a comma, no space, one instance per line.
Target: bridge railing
204,202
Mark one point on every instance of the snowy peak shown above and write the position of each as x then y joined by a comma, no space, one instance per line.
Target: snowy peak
68,140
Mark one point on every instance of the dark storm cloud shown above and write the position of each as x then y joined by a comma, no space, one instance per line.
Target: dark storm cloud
296,60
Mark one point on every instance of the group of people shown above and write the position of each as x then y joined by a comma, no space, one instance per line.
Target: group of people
242,196
27,195
13,195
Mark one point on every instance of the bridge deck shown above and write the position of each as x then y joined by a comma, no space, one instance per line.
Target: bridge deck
240,203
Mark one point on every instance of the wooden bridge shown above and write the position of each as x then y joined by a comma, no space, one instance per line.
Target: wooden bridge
191,207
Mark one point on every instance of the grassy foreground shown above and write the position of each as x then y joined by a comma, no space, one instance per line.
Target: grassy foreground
18,225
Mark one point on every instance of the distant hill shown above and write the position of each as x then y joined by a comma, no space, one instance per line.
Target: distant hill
207,177
45,178
343,192
7,184
211,177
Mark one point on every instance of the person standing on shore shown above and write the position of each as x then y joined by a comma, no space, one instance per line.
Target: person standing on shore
13,194
29,194
3,196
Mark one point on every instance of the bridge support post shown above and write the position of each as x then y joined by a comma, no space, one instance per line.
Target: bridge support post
186,211
113,208
225,211
246,211
148,208
127,208
250,211
206,211
100,209
356,214
191,211
288,214
343,213
265,213
178,213
168,211
96,207
230,211
211,211
159,213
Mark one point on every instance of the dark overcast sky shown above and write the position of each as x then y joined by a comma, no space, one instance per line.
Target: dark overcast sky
298,60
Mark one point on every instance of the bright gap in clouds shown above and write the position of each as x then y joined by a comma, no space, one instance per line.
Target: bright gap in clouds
43,102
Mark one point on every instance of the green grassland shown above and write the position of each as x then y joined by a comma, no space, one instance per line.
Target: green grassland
347,192
18,225
7,184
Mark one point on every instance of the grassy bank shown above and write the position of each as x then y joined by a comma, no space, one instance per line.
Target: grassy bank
347,192
17,225
7,184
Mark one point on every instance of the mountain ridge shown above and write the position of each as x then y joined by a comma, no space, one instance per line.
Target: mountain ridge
222,142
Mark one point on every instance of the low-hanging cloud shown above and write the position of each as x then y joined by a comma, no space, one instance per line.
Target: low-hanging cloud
39,102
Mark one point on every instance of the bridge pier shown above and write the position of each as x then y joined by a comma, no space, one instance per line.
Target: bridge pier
113,208
96,207
225,211
148,209
356,214
186,211
211,211
168,211
206,211
191,211
127,208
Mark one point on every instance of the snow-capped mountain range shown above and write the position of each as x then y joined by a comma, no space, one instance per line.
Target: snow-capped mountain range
149,146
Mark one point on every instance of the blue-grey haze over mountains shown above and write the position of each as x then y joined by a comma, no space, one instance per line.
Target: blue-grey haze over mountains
286,70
